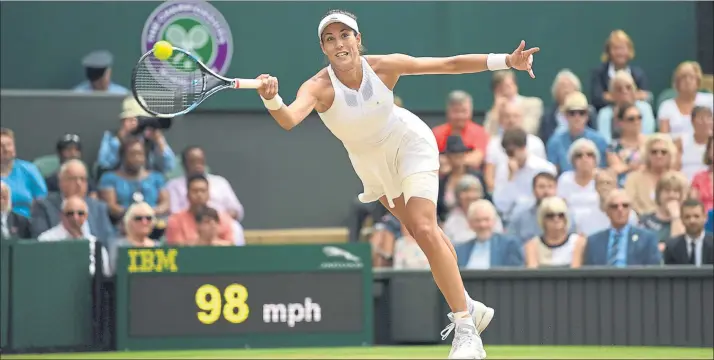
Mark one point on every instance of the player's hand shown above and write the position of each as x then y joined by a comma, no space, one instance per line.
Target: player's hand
522,59
268,87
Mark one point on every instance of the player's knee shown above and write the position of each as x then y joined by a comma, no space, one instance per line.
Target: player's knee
425,231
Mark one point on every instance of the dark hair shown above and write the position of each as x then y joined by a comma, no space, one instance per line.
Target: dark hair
622,110
195,177
206,212
362,49
184,153
543,175
691,203
699,109
514,137
126,144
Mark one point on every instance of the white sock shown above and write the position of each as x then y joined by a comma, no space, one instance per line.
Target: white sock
463,317
469,302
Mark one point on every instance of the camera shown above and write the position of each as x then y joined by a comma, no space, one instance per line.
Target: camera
145,122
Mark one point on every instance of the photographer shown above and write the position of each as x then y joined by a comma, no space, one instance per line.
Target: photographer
135,122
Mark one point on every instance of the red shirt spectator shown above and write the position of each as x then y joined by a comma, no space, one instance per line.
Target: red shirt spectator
459,114
703,182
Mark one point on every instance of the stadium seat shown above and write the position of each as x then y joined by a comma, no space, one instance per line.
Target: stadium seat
296,236
47,164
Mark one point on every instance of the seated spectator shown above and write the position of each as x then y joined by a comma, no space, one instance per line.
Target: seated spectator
622,244
407,253
514,179
576,111
505,90
68,148
138,223
47,212
703,182
182,228
510,117
659,156
456,227
553,120
487,249
386,232
209,224
71,227
21,176
98,69
577,186
695,246
675,114
524,225
693,147
623,154
132,182
605,183
221,196
160,156
557,247
13,224
455,154
665,221
459,121
624,91
619,51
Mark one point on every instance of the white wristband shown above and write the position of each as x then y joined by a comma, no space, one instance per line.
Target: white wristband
496,62
274,103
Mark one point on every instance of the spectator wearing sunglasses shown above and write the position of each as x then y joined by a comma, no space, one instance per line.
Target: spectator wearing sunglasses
621,244
71,228
577,186
659,156
576,112
605,183
624,154
138,223
69,147
623,91
558,246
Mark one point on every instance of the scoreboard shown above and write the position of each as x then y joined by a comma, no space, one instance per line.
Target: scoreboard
239,297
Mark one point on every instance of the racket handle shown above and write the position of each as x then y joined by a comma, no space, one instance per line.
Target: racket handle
247,83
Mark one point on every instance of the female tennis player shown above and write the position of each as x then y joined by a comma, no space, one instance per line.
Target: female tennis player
392,151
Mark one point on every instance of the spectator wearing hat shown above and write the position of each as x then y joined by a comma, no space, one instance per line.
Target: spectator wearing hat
576,112
160,156
98,69
459,122
455,153
69,147
23,177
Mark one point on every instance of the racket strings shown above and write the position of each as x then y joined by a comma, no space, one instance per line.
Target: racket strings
164,89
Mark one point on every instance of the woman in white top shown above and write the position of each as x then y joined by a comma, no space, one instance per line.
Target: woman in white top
556,247
577,186
392,151
692,146
675,115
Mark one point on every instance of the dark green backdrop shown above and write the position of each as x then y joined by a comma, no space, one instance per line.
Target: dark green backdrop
48,40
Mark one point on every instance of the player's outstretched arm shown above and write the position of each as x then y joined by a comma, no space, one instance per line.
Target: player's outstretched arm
287,116
402,64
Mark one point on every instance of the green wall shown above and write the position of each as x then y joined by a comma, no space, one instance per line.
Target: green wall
43,42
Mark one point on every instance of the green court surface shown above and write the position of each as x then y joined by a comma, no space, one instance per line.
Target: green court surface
400,352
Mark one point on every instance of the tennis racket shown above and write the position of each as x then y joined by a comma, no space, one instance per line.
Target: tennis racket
176,86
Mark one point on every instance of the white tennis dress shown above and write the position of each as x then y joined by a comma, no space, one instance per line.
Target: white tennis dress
385,143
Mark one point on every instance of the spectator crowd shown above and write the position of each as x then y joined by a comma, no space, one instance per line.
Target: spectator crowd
591,180
597,179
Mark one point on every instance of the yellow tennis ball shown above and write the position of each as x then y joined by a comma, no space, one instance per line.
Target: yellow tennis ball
163,50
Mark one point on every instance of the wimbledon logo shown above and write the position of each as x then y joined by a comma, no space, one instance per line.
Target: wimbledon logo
193,25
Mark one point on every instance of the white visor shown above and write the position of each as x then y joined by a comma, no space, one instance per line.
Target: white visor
336,18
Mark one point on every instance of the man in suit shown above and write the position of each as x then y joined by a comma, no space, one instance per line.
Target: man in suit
622,244
12,224
695,246
487,250
46,213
